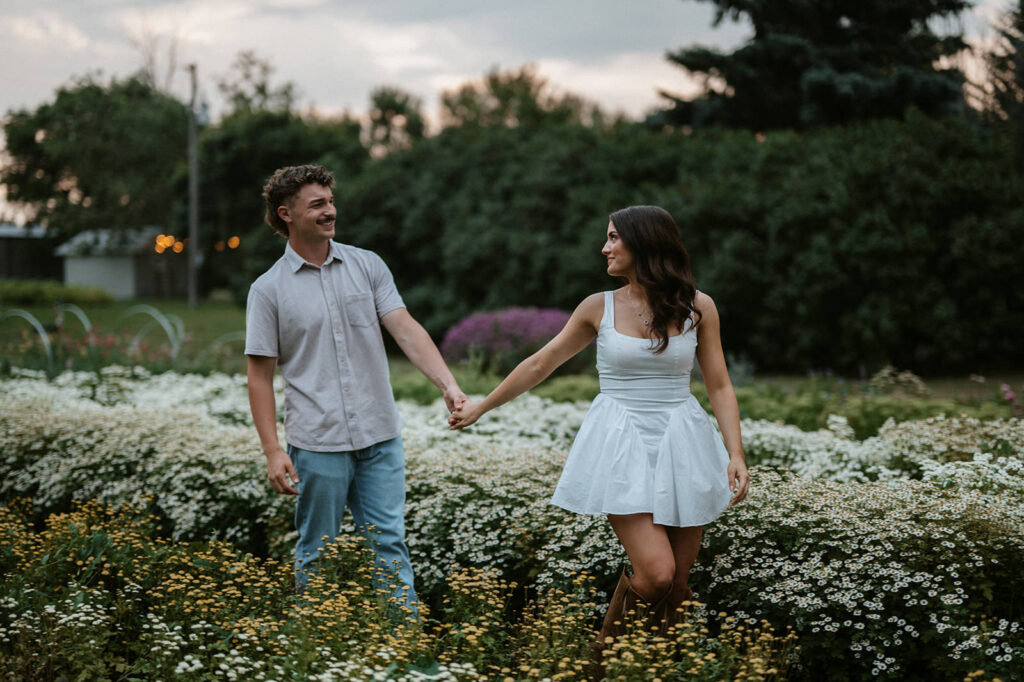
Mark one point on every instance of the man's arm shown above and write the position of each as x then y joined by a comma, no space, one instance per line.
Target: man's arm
417,345
280,472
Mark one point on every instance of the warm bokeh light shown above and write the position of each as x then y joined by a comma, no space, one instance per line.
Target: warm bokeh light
159,248
178,247
233,242
219,246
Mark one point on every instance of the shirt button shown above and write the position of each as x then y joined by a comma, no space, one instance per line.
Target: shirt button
342,359
346,389
351,416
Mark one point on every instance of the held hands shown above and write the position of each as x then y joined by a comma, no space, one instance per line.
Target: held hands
739,479
464,416
454,398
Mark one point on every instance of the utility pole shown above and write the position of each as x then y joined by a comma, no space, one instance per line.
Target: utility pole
193,197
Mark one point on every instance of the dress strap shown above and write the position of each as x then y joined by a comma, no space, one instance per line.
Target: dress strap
608,319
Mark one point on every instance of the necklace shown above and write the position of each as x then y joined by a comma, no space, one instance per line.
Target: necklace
640,314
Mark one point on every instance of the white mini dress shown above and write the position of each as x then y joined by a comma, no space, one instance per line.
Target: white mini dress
646,444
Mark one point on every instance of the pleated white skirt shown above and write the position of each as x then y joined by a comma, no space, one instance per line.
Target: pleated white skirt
630,458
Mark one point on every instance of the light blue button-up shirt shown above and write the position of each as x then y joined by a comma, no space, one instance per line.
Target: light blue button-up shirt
322,325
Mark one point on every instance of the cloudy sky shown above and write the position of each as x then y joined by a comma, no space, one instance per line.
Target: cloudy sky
337,51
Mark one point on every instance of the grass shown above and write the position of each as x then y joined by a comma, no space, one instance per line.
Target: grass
204,324
114,327
211,320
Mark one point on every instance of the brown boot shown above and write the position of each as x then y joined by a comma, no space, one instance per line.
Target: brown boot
627,606
614,623
657,615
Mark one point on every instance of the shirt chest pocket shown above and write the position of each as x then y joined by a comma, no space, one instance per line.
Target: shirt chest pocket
360,310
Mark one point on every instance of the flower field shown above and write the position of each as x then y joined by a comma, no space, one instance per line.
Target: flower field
897,556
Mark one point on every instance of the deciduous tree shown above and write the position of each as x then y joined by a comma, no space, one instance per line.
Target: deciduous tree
100,155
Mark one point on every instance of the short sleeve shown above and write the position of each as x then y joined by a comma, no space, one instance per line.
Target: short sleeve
261,328
385,294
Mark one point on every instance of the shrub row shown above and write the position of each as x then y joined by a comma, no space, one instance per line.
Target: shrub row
806,405
48,292
99,594
845,554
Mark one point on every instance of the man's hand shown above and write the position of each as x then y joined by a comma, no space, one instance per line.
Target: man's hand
281,472
454,398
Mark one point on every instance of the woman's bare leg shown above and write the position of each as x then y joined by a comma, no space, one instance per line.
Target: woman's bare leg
685,545
650,552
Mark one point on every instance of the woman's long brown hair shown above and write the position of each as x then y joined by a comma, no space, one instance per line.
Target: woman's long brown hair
662,268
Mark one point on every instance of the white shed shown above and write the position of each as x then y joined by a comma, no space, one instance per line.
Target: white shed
125,263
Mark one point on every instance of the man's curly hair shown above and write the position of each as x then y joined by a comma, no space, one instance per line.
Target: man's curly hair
284,184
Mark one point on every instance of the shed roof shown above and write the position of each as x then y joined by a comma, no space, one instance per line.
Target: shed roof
109,242
12,231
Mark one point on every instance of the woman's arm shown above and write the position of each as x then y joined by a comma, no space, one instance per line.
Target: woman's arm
574,337
721,393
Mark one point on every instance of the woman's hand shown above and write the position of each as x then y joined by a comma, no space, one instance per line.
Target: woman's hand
464,416
739,479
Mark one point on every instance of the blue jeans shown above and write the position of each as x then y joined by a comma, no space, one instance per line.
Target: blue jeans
372,482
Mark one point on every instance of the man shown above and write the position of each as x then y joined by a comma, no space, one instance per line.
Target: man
316,313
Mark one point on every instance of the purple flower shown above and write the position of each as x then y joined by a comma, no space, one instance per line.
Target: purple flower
512,331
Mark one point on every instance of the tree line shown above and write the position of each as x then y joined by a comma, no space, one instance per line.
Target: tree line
844,205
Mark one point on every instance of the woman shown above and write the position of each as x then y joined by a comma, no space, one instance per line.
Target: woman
647,454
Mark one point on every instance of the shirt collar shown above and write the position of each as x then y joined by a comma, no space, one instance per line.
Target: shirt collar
295,261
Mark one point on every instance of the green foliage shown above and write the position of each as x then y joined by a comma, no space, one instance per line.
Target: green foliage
396,120
514,99
1004,101
408,383
260,134
846,248
476,614
47,292
238,167
211,339
1006,65
856,247
859,568
99,155
571,388
248,89
912,574
487,218
822,62
808,405
135,606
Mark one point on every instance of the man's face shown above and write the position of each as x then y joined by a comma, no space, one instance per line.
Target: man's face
310,214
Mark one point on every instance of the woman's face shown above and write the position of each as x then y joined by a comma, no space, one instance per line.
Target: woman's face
620,258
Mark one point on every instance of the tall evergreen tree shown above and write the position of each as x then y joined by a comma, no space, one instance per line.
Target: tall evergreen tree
818,62
1006,77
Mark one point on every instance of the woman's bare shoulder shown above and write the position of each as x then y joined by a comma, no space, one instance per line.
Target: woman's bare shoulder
704,303
591,309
